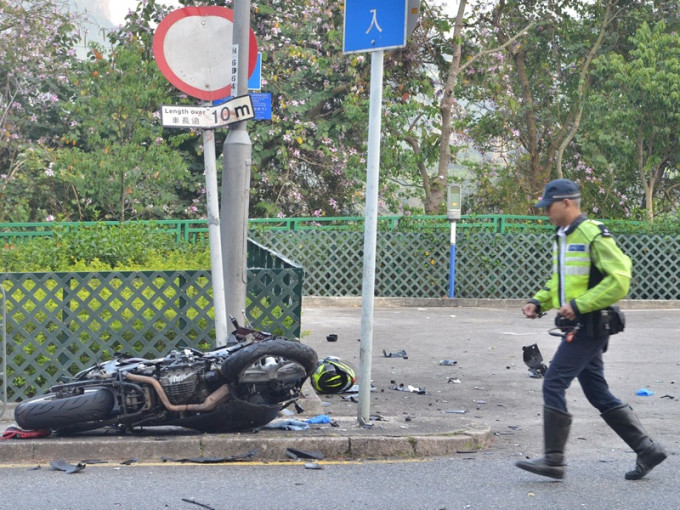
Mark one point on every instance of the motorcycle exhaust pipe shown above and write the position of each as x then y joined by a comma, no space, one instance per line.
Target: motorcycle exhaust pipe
211,402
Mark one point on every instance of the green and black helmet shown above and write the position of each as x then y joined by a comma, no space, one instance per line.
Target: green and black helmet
333,376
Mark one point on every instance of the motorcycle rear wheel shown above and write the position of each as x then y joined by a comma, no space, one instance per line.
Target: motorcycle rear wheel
277,359
51,412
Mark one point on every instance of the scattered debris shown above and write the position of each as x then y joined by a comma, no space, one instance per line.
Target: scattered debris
34,468
534,360
332,338
62,465
296,454
668,396
448,362
193,502
453,380
409,388
130,461
19,433
216,460
287,425
644,392
398,354
313,465
456,411
321,418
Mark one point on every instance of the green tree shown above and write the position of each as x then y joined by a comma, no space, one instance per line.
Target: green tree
526,102
636,117
36,44
119,163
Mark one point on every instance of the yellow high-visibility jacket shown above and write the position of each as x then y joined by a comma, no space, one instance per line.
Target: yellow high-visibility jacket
589,270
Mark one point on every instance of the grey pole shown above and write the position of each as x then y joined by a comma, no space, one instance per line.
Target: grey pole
236,181
370,235
214,237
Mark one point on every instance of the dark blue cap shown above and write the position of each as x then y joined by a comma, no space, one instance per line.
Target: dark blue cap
559,189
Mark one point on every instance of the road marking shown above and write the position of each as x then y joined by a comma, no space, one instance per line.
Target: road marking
296,463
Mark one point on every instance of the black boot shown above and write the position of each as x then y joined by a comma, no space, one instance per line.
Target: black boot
556,425
627,425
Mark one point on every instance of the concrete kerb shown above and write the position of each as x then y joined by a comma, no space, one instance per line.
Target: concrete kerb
350,442
183,448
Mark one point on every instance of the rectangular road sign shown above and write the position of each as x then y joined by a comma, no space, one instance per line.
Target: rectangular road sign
262,104
208,117
372,25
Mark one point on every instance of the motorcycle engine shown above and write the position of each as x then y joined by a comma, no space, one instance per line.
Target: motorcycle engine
182,380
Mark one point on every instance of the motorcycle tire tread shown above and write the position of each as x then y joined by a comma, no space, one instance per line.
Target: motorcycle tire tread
50,412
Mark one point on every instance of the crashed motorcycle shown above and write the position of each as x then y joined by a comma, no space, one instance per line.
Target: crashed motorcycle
240,386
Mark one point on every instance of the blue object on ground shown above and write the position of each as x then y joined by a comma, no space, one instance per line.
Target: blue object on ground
644,392
321,418
287,425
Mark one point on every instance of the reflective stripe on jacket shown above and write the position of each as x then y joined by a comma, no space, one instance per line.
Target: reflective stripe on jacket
590,270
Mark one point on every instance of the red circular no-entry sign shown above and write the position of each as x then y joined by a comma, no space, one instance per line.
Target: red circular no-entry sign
192,47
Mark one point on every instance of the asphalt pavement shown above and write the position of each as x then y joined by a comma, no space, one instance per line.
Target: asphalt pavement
448,377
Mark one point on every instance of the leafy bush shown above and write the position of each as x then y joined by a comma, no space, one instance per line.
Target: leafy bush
133,246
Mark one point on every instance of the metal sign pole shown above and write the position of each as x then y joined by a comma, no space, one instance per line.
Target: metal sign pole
236,181
370,235
214,236
452,261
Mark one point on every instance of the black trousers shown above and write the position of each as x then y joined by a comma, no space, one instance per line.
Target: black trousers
582,359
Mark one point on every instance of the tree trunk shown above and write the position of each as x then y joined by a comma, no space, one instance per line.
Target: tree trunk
437,186
647,184
583,80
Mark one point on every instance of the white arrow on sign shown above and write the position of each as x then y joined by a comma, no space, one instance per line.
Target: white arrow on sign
208,117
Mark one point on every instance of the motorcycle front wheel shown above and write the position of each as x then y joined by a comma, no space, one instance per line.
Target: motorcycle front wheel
51,412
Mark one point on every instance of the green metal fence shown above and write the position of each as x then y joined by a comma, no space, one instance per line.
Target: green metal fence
60,323
488,265
197,230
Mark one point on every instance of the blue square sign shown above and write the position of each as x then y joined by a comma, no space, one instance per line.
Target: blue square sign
372,25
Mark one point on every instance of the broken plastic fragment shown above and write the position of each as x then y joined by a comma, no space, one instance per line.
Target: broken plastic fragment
397,354
409,388
534,360
332,338
62,465
216,460
197,503
456,411
644,392
313,465
296,454
448,362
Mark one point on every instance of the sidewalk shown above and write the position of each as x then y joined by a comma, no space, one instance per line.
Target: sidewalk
481,397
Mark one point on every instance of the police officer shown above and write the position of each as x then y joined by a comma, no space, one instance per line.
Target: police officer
590,273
